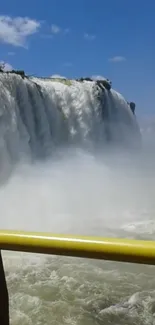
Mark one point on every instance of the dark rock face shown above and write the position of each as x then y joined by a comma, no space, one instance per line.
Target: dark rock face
84,79
101,83
104,83
133,107
18,72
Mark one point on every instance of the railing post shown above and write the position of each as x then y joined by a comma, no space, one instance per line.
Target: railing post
4,297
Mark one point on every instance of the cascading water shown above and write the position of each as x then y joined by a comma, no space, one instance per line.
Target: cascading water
81,192
42,114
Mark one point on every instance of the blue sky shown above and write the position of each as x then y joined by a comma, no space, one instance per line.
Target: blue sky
110,38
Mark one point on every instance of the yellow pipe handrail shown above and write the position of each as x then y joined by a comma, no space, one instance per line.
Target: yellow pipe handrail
114,249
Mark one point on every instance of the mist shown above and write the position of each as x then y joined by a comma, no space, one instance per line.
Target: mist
106,193
82,193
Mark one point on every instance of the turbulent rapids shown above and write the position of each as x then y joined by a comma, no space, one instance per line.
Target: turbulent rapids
55,137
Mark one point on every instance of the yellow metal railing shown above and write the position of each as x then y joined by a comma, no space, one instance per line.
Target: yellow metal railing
122,250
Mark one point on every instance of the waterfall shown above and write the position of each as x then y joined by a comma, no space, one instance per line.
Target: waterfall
40,115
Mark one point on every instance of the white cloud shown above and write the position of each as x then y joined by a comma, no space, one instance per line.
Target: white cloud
55,29
6,66
16,30
117,59
89,37
57,76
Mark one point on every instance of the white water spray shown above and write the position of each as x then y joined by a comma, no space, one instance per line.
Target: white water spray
107,194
